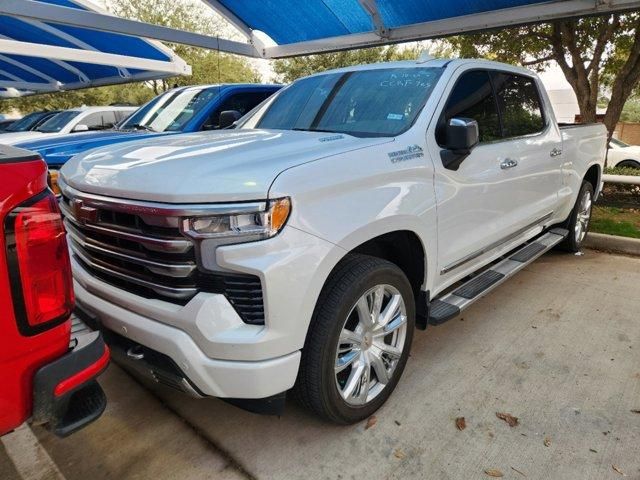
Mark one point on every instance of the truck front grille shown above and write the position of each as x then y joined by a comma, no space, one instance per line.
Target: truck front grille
147,255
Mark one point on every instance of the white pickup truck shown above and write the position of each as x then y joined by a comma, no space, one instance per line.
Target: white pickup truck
302,249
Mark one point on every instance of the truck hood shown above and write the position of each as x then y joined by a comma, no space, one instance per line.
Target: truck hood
229,166
60,148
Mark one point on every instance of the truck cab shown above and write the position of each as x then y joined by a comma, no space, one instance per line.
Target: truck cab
302,249
48,374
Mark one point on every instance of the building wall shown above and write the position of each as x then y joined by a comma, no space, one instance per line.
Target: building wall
628,132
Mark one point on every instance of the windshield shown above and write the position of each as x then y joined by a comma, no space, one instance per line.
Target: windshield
368,103
171,111
27,122
617,143
58,122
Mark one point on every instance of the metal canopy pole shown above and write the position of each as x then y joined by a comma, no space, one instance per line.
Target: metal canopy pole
39,50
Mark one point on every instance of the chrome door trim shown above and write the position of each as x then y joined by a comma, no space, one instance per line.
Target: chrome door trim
494,245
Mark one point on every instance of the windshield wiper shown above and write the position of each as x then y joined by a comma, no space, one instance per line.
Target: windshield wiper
315,130
139,126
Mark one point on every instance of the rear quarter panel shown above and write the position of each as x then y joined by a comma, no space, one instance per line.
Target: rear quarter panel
583,146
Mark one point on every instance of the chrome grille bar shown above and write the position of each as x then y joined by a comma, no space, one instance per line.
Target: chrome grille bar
173,292
180,270
174,245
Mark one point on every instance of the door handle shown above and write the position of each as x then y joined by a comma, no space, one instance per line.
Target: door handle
508,163
556,152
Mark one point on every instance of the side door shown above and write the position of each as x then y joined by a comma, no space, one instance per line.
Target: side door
481,204
472,200
534,141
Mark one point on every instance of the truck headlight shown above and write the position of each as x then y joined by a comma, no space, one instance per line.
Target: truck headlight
240,227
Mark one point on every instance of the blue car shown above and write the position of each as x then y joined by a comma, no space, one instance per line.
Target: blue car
181,110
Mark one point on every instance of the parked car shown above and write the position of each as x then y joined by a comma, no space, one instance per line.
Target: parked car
29,122
301,249
181,110
47,376
621,154
6,123
81,119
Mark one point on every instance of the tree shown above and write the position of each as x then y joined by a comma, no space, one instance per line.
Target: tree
291,68
208,67
134,94
594,53
190,15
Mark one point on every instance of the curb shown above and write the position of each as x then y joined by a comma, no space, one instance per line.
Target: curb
612,243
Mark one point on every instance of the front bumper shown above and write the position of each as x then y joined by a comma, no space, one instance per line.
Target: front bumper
217,352
209,377
67,396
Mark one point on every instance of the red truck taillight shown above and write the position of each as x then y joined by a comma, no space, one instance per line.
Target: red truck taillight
38,259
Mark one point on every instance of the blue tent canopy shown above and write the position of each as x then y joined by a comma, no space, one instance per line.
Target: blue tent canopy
298,27
283,28
38,56
292,21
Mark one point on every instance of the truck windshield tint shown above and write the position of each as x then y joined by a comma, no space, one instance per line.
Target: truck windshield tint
171,111
368,103
58,122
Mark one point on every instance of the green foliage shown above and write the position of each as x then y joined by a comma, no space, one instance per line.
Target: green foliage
622,171
531,45
631,111
208,66
193,16
290,69
134,94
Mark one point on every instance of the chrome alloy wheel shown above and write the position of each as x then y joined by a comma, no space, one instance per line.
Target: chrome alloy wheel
584,215
371,343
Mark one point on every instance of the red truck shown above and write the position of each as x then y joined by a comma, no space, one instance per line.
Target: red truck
47,374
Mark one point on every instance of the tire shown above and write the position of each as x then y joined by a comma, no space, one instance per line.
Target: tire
578,223
629,164
338,397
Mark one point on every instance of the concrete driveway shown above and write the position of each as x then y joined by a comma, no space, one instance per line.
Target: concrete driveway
557,346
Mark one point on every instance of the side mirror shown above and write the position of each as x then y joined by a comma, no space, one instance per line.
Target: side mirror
81,127
461,135
228,117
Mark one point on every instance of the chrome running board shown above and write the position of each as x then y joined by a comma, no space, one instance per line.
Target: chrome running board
451,304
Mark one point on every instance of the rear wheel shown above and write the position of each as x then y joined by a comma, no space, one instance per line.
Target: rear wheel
359,340
578,222
629,164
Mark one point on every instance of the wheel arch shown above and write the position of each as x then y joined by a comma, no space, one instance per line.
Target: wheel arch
402,247
594,177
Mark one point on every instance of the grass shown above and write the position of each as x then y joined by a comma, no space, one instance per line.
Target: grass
616,221
622,171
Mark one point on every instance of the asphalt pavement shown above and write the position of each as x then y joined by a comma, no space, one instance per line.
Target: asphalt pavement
557,346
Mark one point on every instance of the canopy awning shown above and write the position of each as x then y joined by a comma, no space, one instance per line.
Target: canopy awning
284,28
38,56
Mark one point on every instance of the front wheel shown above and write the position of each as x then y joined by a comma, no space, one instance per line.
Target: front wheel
578,222
359,340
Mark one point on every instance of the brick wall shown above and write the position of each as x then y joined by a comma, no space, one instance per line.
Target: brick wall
628,132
